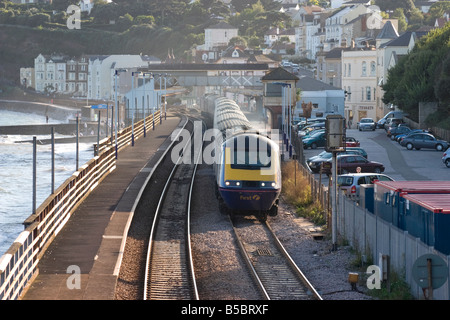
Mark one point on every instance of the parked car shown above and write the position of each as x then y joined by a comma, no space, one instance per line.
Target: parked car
350,182
359,150
351,142
308,129
314,162
398,137
423,140
394,131
392,122
348,163
315,140
366,124
390,114
310,121
446,158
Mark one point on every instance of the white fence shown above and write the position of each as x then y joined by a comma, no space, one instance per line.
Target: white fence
375,237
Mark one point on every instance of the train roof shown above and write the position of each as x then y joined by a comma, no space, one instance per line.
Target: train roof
228,116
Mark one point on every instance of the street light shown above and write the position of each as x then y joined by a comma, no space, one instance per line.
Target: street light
116,115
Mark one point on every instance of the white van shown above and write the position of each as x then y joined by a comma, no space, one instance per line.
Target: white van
390,114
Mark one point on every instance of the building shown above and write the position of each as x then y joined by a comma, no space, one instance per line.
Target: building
273,83
90,76
325,99
388,52
50,73
27,76
219,35
359,79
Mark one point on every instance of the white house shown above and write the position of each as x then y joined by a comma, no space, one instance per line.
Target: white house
102,69
50,73
218,35
359,79
334,24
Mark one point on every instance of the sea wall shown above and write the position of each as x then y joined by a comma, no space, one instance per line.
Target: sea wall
60,113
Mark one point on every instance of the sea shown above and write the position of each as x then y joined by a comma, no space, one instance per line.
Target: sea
16,172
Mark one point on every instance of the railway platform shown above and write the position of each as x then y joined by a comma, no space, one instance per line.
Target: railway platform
83,261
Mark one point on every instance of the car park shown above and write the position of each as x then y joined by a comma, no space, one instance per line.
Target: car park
366,124
317,139
350,182
446,159
349,163
351,142
423,140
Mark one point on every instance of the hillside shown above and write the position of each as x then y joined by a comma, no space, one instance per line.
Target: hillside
21,45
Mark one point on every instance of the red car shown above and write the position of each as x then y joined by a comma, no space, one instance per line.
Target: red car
351,142
350,162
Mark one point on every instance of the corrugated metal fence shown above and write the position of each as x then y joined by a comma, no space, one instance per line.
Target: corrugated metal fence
375,237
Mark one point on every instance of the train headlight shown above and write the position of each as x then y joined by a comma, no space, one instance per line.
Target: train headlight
268,184
233,183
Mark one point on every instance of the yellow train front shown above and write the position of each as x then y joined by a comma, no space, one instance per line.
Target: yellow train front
249,175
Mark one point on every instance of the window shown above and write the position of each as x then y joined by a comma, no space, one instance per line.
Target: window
372,69
349,70
368,94
364,69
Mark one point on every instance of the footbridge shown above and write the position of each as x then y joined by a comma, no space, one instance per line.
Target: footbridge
226,75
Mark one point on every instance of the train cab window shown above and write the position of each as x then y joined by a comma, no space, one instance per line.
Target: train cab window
249,152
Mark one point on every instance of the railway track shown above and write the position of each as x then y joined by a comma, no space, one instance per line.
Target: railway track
169,269
276,274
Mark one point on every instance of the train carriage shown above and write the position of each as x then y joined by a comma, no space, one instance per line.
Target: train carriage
247,168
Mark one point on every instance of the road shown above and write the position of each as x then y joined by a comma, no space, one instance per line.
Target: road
400,163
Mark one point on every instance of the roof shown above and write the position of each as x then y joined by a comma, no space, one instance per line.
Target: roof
207,66
279,74
416,186
310,84
221,25
388,31
437,203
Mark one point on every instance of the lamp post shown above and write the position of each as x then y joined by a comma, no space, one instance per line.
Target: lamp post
116,107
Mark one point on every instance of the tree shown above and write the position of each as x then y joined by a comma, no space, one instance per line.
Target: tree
422,75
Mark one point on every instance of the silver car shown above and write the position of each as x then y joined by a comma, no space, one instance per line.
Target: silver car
350,182
366,124
446,159
423,140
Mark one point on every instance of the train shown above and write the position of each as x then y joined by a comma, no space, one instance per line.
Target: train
248,163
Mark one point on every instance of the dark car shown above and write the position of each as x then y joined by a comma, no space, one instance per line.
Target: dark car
315,140
359,150
315,161
392,122
423,140
399,137
311,128
394,131
348,163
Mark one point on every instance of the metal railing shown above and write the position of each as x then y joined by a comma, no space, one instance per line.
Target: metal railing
18,266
